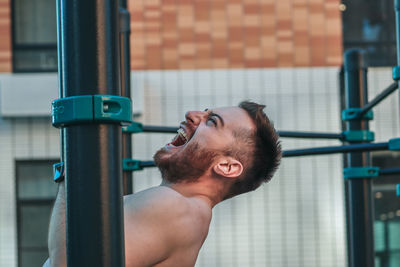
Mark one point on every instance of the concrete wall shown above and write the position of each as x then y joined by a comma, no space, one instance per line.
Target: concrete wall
20,139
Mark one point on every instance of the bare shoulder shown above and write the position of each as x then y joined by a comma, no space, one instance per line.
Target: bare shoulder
153,195
164,203
160,223
155,201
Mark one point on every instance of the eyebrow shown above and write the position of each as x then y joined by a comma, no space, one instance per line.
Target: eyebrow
212,114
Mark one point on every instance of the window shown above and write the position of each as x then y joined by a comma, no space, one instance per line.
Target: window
35,196
387,212
370,25
34,35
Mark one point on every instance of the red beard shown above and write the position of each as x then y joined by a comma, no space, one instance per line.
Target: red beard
186,165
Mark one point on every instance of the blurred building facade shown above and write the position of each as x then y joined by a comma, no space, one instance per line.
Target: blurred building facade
189,55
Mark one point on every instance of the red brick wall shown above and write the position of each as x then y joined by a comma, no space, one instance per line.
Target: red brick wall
204,34
5,36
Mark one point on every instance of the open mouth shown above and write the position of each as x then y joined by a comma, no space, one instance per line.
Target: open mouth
180,139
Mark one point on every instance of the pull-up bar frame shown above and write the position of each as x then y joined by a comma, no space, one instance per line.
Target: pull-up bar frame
88,55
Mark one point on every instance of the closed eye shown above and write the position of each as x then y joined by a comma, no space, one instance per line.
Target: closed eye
214,117
212,120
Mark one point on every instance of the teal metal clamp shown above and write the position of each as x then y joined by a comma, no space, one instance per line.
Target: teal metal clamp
360,172
358,136
134,127
91,109
131,165
58,172
398,190
396,73
355,114
394,144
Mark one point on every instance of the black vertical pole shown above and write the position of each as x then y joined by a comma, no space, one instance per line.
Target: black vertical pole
123,4
358,194
397,11
60,77
125,88
89,53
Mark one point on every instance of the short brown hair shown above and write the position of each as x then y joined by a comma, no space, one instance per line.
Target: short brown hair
262,148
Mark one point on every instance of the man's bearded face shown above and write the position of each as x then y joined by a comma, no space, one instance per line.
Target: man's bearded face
202,137
186,165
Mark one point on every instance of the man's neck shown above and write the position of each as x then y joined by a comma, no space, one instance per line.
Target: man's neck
205,189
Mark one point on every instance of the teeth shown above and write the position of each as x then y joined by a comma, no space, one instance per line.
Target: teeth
182,133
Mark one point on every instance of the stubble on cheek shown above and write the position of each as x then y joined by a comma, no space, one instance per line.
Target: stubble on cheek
186,165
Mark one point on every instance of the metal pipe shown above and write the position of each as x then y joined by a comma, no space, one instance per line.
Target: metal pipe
90,66
335,149
312,135
60,76
147,164
123,4
292,134
124,39
360,235
389,171
159,129
397,11
385,93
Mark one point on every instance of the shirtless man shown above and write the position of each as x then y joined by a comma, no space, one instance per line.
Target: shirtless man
217,154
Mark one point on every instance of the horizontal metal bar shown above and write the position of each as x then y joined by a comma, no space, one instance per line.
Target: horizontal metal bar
35,201
33,70
146,164
159,129
369,43
389,171
335,149
316,135
43,46
292,134
385,93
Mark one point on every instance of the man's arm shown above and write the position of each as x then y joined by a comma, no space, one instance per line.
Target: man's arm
151,220
57,236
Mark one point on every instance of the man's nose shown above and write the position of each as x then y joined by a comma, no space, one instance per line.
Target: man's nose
195,117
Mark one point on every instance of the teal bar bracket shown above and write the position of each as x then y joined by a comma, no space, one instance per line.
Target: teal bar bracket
72,109
396,73
58,172
360,172
91,109
134,127
358,136
394,144
398,190
108,108
131,165
351,114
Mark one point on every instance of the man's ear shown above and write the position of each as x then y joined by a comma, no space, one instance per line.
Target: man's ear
228,167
